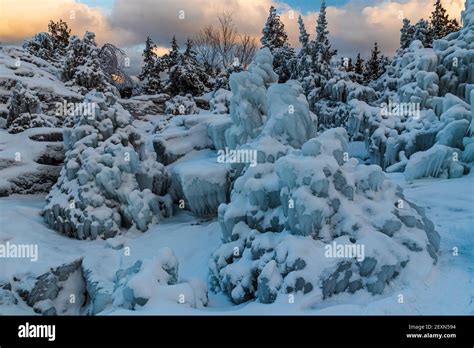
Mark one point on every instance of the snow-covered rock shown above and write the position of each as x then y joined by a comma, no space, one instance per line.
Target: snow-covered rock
59,291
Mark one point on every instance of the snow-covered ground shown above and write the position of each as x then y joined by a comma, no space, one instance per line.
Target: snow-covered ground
449,289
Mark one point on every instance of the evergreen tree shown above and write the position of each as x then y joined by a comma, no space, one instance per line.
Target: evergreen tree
50,46
174,53
350,66
152,67
60,34
406,34
322,52
359,65
304,37
82,65
274,37
187,75
149,57
421,32
373,66
274,34
441,25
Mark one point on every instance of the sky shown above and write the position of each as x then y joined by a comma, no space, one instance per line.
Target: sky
354,25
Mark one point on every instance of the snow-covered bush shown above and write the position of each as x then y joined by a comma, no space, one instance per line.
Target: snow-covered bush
41,45
108,181
181,105
155,281
284,216
24,111
220,101
138,283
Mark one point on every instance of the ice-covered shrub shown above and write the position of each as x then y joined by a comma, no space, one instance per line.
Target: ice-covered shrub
283,217
181,105
220,101
247,104
108,181
41,45
155,281
24,111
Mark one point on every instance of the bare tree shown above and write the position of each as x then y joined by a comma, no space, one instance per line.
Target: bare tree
206,47
218,46
245,49
227,37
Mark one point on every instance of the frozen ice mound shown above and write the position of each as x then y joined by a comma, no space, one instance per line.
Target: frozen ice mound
201,181
186,133
107,182
283,216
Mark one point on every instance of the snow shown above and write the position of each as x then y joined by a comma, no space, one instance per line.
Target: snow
447,290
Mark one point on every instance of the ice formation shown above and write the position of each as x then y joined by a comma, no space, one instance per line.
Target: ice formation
247,104
108,181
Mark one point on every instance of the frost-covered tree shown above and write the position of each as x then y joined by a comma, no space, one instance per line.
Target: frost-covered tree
171,58
113,61
82,65
406,33
303,37
275,38
50,46
322,47
149,57
274,34
41,45
108,182
359,65
421,32
375,65
285,211
151,70
187,75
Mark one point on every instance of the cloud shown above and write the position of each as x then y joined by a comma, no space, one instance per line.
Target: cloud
353,27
